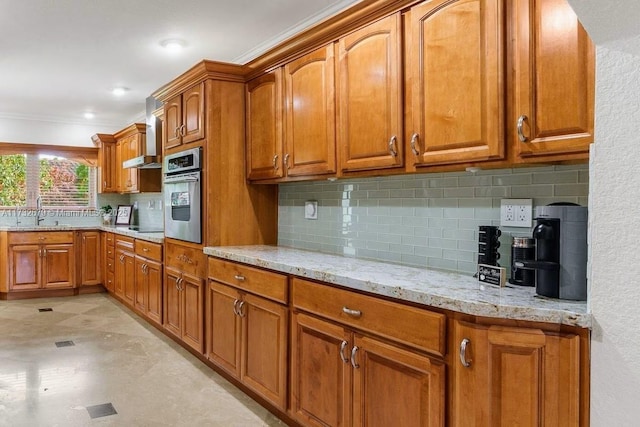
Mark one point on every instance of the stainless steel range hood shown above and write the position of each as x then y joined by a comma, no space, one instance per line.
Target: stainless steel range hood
151,155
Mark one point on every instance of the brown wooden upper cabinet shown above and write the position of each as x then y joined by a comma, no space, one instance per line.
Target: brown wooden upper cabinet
553,88
310,140
264,100
454,86
184,117
107,167
370,113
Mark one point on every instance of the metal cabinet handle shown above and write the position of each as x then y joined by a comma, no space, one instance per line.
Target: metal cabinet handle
393,142
520,126
414,144
175,132
463,352
350,312
354,350
275,162
182,130
343,346
121,258
40,253
44,251
239,277
241,313
235,307
285,161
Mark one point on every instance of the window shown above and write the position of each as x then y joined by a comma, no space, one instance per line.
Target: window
60,182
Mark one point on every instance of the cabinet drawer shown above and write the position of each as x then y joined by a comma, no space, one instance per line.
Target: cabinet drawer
110,238
36,238
123,242
412,326
111,265
260,282
149,250
186,259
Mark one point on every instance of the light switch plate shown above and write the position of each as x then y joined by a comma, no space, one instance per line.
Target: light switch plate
311,209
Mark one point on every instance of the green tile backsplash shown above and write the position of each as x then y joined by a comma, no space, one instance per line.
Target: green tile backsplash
424,220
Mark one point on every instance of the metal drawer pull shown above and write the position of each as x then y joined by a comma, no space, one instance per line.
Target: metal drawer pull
414,143
239,277
463,352
343,346
350,312
519,127
354,350
286,161
145,249
393,142
235,307
275,162
240,312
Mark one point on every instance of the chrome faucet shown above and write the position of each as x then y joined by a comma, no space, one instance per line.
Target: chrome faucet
39,210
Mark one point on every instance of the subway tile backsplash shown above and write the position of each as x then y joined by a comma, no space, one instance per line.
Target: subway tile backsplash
424,220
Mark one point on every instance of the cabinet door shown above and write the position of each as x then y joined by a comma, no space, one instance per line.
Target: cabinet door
153,275
118,174
134,150
172,302
553,88
370,112
107,169
223,327
25,269
192,309
58,266
320,373
141,285
310,142
392,386
264,348
454,82
193,114
172,122
516,376
90,258
264,126
129,278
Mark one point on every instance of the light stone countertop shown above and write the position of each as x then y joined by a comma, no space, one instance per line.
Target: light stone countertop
435,288
150,237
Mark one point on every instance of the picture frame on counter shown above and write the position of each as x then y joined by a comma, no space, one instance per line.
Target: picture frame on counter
124,214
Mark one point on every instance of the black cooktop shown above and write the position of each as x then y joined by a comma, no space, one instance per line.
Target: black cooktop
145,229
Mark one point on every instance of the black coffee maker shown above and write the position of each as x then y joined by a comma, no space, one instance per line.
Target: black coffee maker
561,252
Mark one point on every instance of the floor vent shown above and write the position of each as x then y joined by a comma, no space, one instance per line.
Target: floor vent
64,344
45,309
103,410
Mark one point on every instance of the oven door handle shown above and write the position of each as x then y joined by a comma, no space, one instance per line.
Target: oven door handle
181,180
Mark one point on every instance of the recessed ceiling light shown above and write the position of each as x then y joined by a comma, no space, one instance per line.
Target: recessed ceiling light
173,45
89,115
119,91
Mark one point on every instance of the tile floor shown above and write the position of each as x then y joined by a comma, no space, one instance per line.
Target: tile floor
114,358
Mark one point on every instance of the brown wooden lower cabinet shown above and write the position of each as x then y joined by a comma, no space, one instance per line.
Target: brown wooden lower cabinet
41,261
341,378
125,276
183,307
515,376
148,289
247,337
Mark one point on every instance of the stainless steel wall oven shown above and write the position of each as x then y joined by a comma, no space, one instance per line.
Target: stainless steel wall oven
183,195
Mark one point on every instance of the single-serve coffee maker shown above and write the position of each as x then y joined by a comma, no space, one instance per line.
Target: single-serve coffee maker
560,265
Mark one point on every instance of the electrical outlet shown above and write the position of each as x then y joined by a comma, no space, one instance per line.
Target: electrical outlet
516,212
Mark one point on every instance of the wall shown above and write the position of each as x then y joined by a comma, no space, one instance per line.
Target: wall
424,220
50,132
614,235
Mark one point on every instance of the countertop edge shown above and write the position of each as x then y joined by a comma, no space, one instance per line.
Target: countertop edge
150,237
535,312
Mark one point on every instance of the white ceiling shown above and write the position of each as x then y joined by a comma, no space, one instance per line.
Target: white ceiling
59,58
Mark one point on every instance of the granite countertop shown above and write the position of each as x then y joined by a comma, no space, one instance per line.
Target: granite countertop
435,288
150,237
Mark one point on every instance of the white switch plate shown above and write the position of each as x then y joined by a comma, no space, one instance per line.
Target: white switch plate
516,212
311,209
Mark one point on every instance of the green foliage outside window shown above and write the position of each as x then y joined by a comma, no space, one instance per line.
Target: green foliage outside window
13,180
